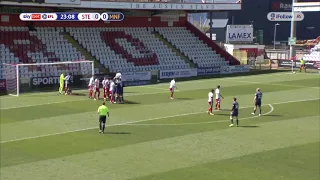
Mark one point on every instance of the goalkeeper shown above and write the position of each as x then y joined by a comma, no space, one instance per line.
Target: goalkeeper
61,83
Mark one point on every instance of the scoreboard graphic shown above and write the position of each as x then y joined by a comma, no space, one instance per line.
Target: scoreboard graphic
108,16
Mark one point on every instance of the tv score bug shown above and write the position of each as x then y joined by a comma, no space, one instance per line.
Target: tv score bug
110,16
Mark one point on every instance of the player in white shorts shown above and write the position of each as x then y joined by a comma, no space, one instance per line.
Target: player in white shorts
210,102
218,97
111,90
96,88
90,86
172,87
105,85
67,80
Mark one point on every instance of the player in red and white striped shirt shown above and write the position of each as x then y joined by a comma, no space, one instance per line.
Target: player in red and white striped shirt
90,86
105,85
96,88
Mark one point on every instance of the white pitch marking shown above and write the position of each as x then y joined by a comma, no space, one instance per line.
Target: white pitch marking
207,122
151,119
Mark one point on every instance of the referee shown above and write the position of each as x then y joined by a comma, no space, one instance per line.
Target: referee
103,112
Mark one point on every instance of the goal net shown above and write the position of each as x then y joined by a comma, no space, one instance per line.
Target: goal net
45,76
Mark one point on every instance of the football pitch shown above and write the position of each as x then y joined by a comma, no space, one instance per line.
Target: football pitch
46,136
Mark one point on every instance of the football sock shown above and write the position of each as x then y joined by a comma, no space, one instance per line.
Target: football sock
260,110
254,111
100,126
218,105
237,122
103,127
231,121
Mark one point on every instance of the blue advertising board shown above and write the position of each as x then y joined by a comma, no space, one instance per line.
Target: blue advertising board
204,71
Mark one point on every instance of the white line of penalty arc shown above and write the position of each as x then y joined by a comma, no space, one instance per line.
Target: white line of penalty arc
206,122
131,122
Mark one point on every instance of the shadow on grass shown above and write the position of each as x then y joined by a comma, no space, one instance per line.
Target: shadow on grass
249,126
117,133
78,94
222,114
130,102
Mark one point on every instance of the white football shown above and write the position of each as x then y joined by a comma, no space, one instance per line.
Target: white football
294,72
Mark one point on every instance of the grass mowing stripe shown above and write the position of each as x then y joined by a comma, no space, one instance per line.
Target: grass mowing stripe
160,84
244,87
58,102
207,122
151,119
137,160
274,84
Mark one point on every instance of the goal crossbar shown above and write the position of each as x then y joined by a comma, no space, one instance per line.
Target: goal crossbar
16,67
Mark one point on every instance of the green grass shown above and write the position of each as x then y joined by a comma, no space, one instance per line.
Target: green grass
48,136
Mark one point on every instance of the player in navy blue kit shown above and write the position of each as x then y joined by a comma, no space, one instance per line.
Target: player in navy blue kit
120,91
257,101
234,112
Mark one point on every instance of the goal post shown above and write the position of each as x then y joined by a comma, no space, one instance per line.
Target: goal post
27,77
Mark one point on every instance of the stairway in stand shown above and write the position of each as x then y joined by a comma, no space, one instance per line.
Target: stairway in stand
175,50
85,53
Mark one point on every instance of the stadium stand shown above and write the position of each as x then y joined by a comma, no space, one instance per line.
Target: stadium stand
190,45
131,45
314,54
127,49
45,45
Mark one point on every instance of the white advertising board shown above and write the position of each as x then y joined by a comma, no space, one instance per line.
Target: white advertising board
234,69
136,76
239,33
178,73
285,16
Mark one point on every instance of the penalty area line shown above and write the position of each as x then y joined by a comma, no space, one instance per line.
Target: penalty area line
131,122
207,122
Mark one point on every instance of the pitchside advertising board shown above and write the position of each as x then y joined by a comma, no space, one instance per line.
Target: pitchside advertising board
205,71
239,33
234,69
285,16
178,73
296,64
46,81
136,76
